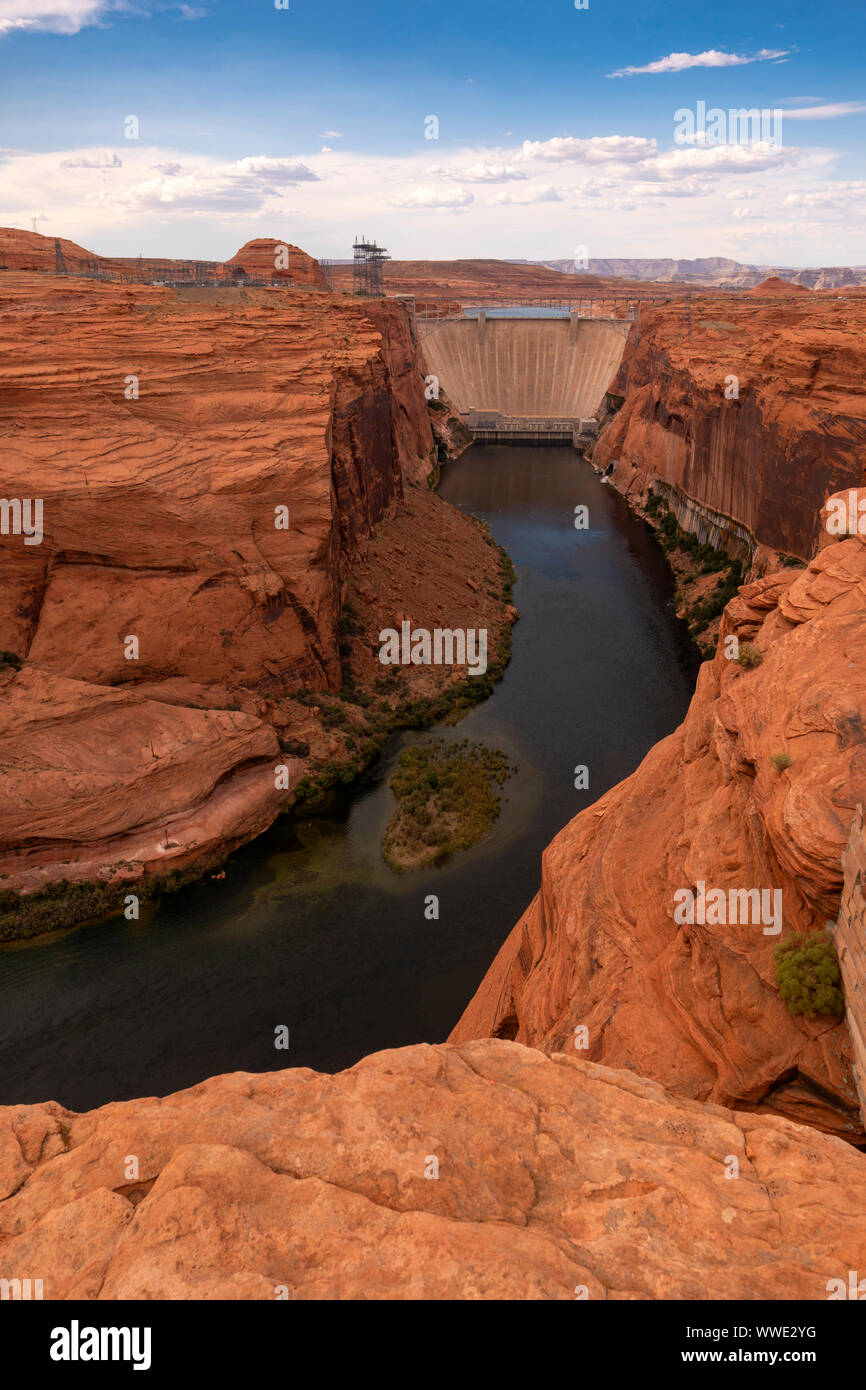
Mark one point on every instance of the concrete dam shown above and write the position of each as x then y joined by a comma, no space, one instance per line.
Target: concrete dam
511,376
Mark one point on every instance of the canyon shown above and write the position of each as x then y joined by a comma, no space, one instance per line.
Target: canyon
218,514
512,1161
696,1007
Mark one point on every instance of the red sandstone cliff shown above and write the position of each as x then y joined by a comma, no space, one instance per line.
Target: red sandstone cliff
161,433
162,436
555,1179
552,1170
758,465
696,1007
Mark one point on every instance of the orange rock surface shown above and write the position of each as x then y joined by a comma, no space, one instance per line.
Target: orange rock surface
163,435
481,1168
162,431
103,782
764,459
774,284
556,1179
696,1006
20,250
259,259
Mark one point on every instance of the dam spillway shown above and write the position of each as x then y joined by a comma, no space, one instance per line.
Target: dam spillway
512,374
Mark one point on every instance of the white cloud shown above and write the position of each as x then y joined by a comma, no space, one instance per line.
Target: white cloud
330,135
173,201
596,150
716,159
826,112
55,16
243,184
479,173
833,195
71,16
546,193
436,198
712,58
277,170
595,187
687,189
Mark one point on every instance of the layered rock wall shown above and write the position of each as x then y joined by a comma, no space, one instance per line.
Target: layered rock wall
208,475
849,931
695,1006
758,463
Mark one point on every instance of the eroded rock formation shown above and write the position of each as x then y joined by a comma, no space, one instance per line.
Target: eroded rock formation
20,250
257,259
267,258
482,1171
758,462
696,1006
162,434
480,1168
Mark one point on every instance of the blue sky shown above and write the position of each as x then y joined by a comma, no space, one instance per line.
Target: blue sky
309,123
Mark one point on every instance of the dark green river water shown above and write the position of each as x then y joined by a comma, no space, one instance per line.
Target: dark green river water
309,928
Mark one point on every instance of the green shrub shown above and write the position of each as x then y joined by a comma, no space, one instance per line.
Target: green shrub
807,973
446,801
67,904
749,656
781,760
296,748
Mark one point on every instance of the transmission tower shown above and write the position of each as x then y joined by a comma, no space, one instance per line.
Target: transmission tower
369,260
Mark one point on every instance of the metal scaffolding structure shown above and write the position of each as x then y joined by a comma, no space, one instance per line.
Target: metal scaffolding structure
369,260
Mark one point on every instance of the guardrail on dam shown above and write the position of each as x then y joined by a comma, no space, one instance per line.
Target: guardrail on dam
534,376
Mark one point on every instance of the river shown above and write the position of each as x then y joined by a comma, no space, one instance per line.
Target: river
310,929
